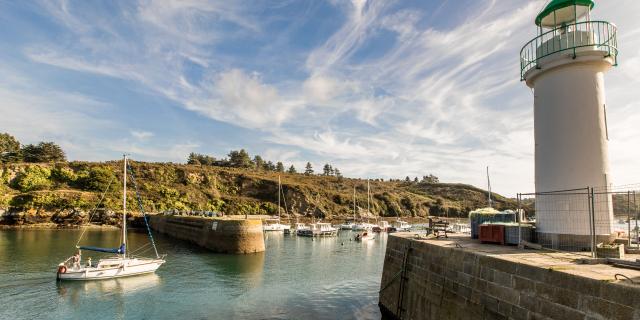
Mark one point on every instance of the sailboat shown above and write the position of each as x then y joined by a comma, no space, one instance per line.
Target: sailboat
122,264
362,225
277,226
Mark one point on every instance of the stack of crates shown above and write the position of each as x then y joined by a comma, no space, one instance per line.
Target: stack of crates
488,215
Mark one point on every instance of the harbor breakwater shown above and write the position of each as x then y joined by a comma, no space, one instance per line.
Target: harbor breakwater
222,235
459,278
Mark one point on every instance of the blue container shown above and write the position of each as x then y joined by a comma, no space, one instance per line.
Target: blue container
481,216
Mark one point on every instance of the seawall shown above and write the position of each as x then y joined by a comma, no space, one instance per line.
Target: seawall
459,278
222,235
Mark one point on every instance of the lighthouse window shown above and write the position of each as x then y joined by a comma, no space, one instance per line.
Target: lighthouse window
606,125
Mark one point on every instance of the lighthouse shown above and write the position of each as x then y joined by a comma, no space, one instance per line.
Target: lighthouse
565,66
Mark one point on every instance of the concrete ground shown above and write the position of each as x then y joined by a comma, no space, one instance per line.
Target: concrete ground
576,263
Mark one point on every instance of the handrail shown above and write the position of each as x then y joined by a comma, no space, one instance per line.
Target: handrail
600,34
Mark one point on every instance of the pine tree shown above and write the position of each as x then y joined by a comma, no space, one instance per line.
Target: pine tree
337,173
280,167
308,169
326,170
240,159
407,179
292,170
258,162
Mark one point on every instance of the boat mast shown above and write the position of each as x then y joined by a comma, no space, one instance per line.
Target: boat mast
368,200
354,204
124,209
279,199
489,187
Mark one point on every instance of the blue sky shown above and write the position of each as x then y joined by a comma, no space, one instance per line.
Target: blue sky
377,88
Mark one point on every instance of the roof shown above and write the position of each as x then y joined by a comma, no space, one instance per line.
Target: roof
559,4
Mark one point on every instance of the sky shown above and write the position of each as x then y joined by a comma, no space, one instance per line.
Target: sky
379,89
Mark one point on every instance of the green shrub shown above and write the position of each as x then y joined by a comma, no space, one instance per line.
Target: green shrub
63,175
96,179
33,178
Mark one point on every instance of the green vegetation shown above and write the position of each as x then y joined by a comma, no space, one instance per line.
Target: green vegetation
235,185
33,178
12,152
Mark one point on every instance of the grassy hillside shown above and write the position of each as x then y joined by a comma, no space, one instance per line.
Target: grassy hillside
164,186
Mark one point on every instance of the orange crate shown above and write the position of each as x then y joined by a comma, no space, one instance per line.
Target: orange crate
493,233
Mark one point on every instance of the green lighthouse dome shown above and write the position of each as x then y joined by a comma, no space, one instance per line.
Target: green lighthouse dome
558,12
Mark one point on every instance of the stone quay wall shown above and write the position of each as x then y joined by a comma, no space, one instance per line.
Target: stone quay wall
234,236
427,280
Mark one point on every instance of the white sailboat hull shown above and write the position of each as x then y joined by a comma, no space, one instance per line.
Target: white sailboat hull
110,269
276,227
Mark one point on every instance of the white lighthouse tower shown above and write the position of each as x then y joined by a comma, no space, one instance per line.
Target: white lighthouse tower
565,66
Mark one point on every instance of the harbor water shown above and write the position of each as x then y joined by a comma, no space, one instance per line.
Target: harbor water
296,278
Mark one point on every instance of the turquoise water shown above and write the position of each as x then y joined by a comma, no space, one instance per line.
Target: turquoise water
296,278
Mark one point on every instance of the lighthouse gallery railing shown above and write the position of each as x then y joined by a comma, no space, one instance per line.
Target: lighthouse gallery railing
572,39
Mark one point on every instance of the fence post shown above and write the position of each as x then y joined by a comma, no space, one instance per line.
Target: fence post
519,218
593,222
628,218
635,209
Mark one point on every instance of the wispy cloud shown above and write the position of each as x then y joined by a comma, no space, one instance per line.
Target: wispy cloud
378,88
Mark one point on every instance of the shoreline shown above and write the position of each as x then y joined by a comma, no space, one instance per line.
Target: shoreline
55,226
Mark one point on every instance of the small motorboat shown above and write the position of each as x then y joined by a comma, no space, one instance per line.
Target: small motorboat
348,225
320,229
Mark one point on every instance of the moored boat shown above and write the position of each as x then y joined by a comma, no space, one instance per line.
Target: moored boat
320,229
123,264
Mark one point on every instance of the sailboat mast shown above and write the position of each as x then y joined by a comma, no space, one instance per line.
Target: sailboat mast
489,187
279,198
354,204
124,208
368,189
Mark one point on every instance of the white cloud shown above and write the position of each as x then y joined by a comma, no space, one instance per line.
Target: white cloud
141,135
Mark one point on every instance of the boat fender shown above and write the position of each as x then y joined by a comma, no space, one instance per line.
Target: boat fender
62,269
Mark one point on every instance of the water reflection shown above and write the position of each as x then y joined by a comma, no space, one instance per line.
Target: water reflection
119,286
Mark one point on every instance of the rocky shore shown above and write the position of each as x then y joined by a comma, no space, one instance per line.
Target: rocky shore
65,219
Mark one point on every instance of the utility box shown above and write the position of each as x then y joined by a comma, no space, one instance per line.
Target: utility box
493,233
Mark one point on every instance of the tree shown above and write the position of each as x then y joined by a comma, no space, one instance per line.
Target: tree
308,169
8,143
415,179
430,179
43,152
407,179
193,159
258,162
240,159
9,148
269,166
337,173
326,170
292,170
280,167
201,159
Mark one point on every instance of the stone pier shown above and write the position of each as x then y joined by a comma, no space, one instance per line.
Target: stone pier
459,278
222,235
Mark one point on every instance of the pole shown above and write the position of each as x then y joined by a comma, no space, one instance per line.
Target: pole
635,208
354,204
629,218
278,199
519,221
593,224
489,187
124,208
